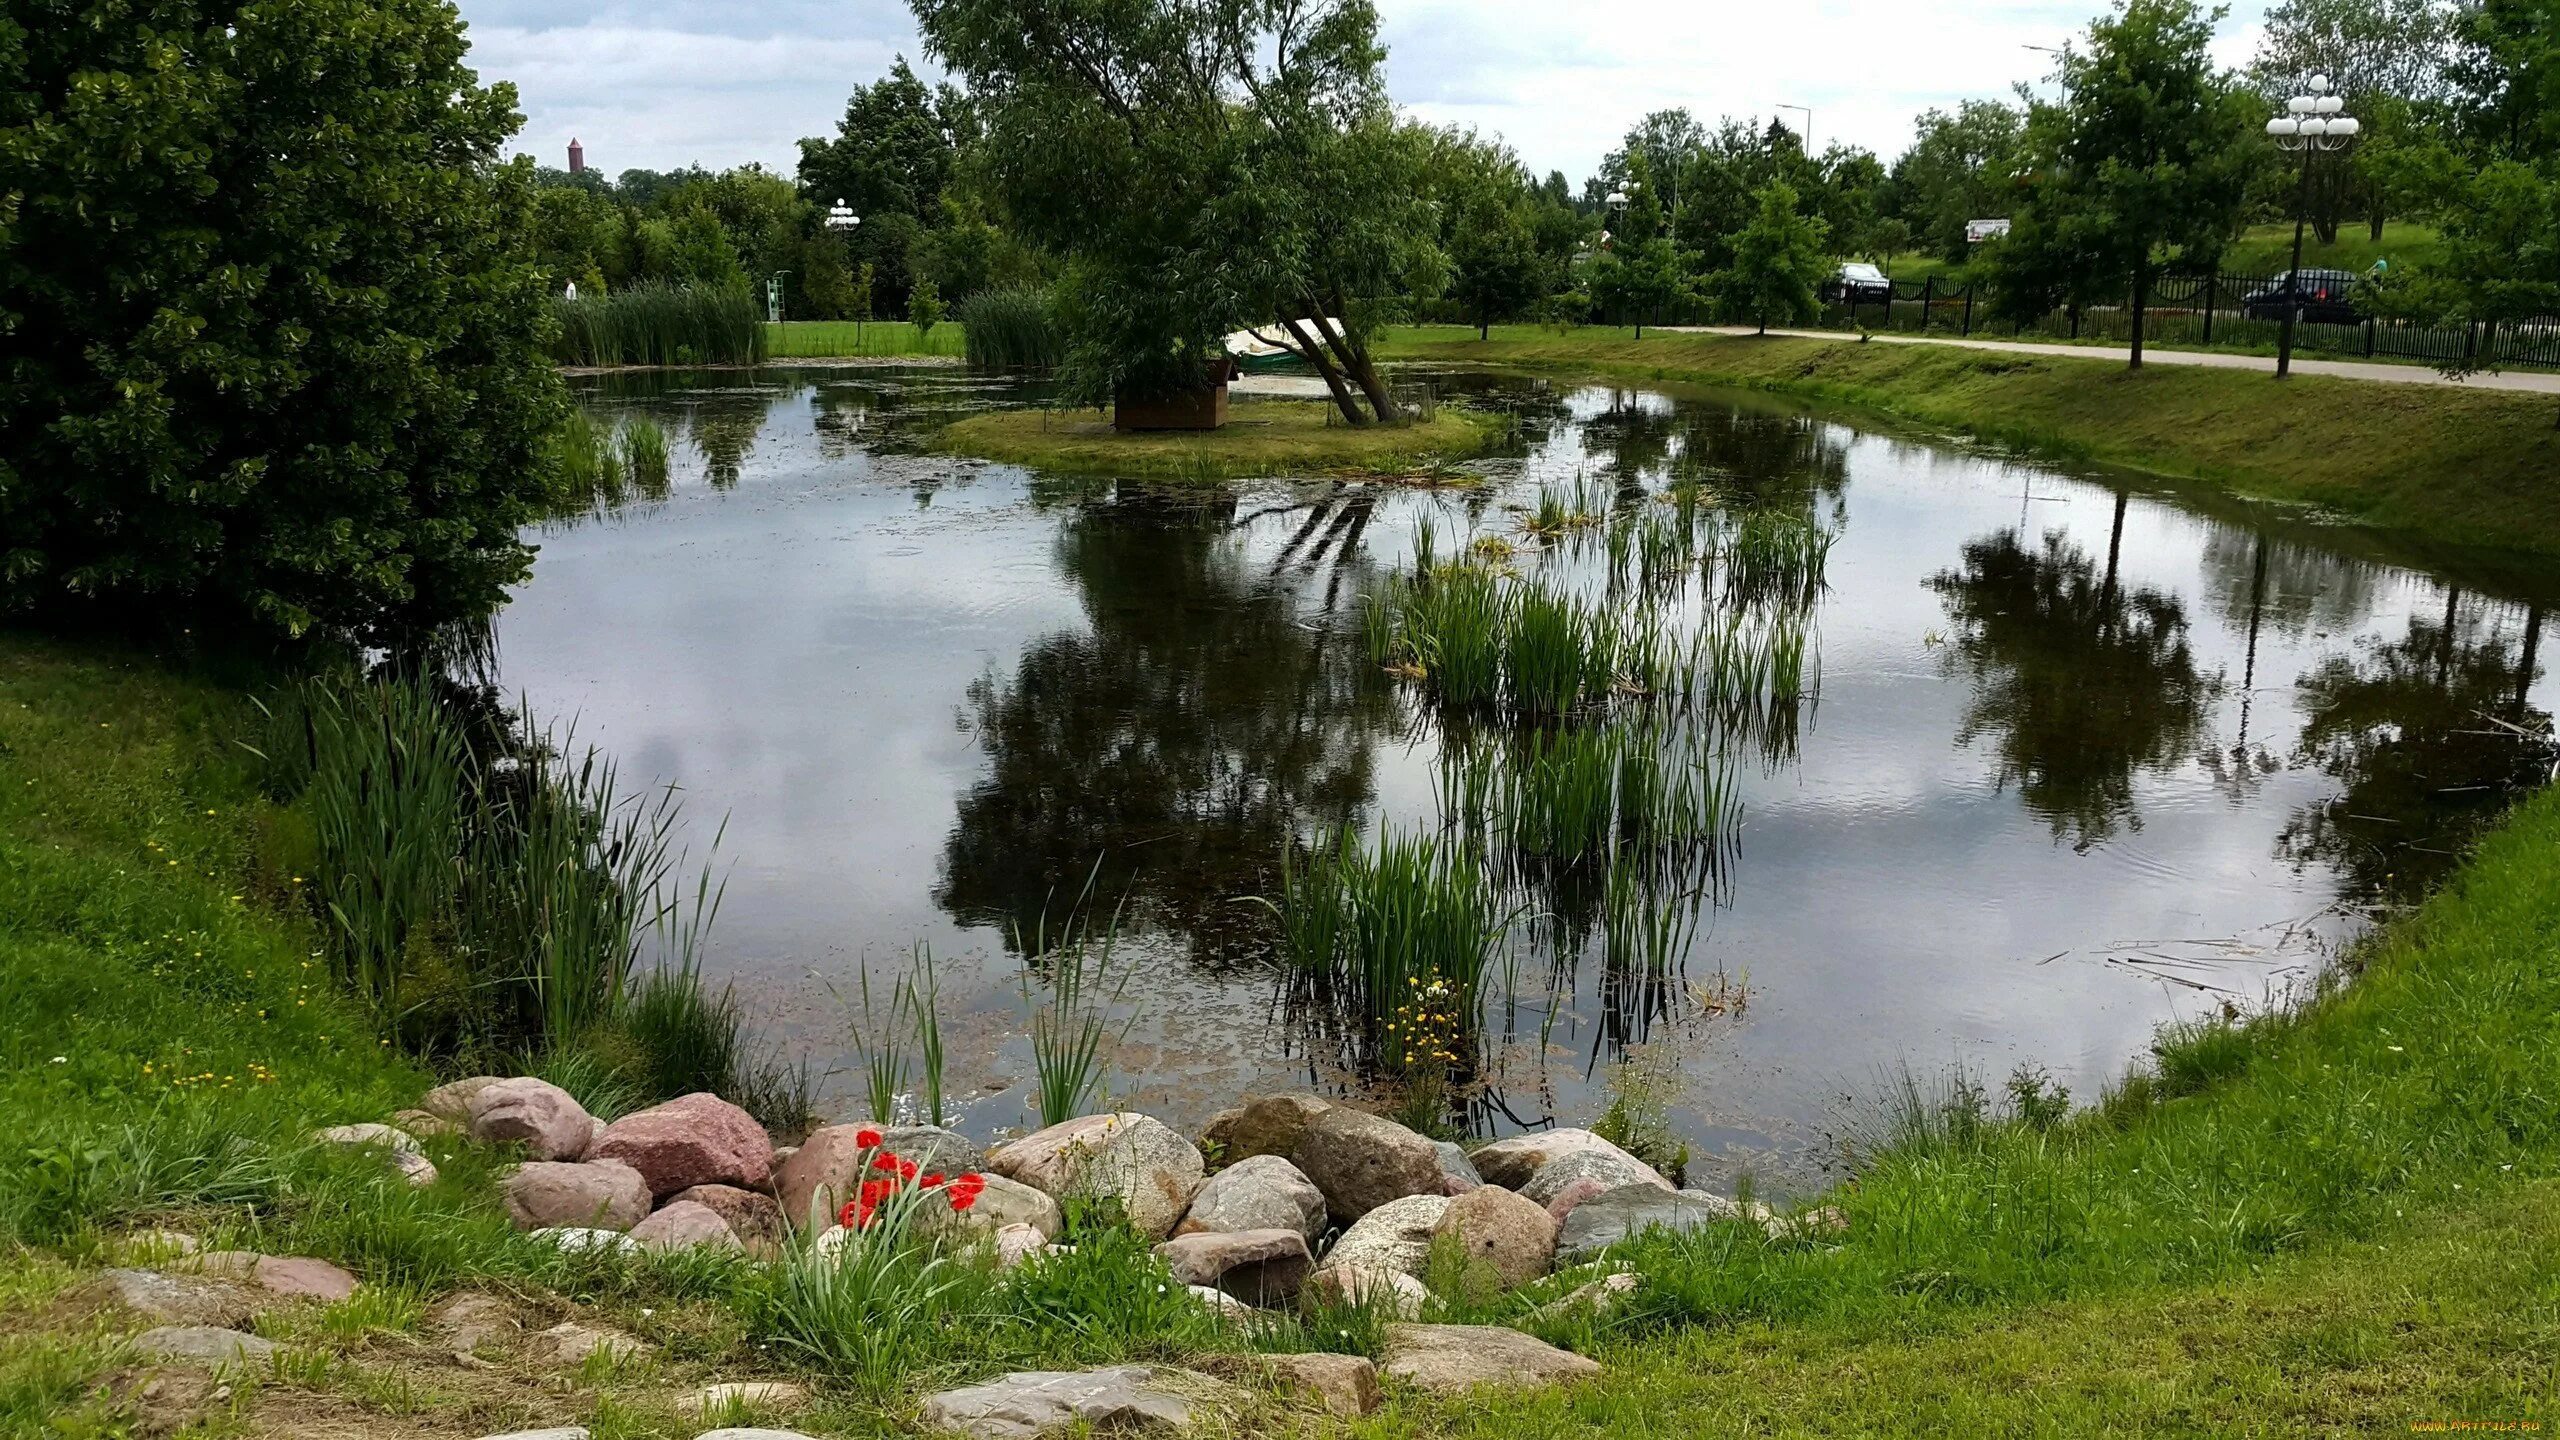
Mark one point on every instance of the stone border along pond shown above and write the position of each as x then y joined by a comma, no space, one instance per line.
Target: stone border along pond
1309,1202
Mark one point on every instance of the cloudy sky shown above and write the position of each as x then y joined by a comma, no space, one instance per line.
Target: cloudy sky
722,82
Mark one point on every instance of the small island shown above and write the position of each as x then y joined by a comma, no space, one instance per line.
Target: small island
1261,437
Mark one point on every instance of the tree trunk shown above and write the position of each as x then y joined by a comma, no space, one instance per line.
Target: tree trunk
2375,220
2141,296
1356,364
1484,324
1312,351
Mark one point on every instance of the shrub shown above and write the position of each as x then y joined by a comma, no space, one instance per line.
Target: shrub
271,338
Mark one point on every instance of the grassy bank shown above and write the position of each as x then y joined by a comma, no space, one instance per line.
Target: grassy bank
2456,467
821,339
2344,1220
1262,437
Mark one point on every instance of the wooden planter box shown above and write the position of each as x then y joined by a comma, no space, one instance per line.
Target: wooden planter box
1201,409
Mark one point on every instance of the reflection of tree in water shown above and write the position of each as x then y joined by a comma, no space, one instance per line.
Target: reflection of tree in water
1202,722
2077,683
2432,735
2257,582
1764,457
723,428
1634,435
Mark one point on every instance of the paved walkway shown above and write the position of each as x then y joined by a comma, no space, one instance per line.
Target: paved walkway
2531,381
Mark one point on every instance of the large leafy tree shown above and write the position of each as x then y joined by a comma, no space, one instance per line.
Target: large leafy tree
2145,157
271,339
890,160
2387,57
1199,166
1956,171
1638,275
1778,260
1488,227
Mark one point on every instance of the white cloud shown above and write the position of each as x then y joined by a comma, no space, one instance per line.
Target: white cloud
670,84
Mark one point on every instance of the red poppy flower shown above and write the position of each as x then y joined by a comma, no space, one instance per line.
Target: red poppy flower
867,1139
884,1161
845,1216
932,1181
963,1199
906,1169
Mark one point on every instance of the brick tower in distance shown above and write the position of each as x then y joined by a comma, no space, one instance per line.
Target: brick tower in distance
577,157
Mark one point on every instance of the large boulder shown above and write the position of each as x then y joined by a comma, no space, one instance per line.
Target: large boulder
1630,1210
1388,1292
1262,1125
1457,1173
1510,1163
1611,1168
596,1195
1396,1236
1133,1159
546,1119
1501,1234
685,1225
697,1139
1259,1267
1572,1195
203,1345
1259,1192
755,1219
179,1300
1345,1385
1446,1358
451,1102
1361,1161
1000,1205
1121,1399
826,1170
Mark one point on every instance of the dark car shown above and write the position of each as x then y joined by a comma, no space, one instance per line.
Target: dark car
2322,295
1858,284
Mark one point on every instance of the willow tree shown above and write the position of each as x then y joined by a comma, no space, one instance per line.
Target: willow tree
1202,166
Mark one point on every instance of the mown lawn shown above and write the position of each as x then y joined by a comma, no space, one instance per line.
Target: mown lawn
1261,437
2457,467
807,339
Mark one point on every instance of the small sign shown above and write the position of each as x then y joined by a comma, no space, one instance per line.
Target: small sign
1977,231
773,299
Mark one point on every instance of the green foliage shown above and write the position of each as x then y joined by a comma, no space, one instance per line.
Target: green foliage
1010,330
271,345
1488,229
1778,261
1071,1030
660,324
1957,170
1367,929
890,161
924,307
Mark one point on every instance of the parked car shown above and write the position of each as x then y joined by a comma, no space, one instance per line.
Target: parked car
2323,296
1857,284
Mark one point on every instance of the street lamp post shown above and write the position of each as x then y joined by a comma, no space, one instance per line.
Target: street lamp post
2312,125
1808,123
842,220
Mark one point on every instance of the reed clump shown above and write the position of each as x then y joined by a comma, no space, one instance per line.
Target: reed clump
1014,328
659,324
644,456
1366,926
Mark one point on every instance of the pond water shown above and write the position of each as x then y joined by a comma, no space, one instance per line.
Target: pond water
2084,755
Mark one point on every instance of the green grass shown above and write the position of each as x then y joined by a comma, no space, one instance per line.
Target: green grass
826,339
2264,248
1261,437
2456,467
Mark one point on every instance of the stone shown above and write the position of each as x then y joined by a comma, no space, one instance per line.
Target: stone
826,1170
1258,1267
697,1139
556,1432
570,1343
467,1321
579,1240
384,1136
202,1345
427,1122
1574,1193
1446,1358
1509,1163
1610,1170
592,1194
174,1300
1048,1402
414,1168
546,1119
298,1277
1361,1161
685,1225
1135,1160
1392,1292
1629,1210
1218,1302
1593,1300
1457,1173
451,1102
1001,1204
755,1219
1345,1385
735,1395
1017,1243
1262,1125
1259,1192
160,1245
1396,1236
1500,1233
1820,1222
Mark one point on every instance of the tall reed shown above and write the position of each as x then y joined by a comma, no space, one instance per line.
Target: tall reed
652,323
1363,926
1071,1031
644,455
1011,329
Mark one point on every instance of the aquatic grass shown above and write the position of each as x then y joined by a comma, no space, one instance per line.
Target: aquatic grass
1011,329
652,323
882,1039
921,992
586,467
1071,1030
1364,925
644,455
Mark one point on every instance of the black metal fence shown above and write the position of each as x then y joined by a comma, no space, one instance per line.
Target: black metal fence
2223,309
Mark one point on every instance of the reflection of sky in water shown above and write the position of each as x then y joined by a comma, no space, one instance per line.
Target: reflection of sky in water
2025,826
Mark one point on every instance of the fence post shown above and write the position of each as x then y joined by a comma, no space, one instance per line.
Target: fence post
1968,305
2075,319
2368,337
2470,340
1928,296
2212,292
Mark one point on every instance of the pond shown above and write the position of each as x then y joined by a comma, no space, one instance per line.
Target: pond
2074,755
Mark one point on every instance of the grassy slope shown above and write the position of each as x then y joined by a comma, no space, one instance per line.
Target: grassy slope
2447,466
1261,438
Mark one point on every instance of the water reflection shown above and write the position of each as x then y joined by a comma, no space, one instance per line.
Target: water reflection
2078,682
